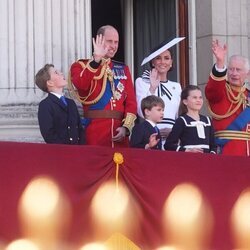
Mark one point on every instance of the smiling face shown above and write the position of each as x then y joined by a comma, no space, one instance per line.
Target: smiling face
194,101
163,62
237,71
111,41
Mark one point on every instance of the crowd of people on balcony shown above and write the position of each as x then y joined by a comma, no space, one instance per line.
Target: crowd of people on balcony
155,113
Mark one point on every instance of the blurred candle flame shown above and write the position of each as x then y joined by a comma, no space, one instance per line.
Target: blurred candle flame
44,212
22,244
187,218
94,246
240,221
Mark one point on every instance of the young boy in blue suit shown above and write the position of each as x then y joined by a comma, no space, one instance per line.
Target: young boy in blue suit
58,116
146,134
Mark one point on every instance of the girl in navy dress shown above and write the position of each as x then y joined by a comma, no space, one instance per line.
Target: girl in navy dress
192,132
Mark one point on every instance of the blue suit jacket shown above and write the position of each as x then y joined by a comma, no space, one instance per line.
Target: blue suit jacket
140,135
59,123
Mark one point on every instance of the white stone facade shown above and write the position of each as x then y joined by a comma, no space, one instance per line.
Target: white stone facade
35,32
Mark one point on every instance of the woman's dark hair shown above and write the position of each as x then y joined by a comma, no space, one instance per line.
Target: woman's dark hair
184,95
158,47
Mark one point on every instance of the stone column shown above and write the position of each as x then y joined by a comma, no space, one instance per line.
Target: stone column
33,33
226,20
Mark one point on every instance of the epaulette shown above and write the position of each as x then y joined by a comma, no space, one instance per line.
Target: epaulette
83,60
118,62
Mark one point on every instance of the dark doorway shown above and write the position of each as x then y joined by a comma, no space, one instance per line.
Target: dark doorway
108,12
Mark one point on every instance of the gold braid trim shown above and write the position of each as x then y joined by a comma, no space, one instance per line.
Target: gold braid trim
232,134
129,121
105,71
216,78
240,99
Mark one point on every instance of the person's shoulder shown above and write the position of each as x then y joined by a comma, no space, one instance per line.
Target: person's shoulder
45,102
184,118
118,63
140,125
175,84
144,78
80,62
205,118
71,101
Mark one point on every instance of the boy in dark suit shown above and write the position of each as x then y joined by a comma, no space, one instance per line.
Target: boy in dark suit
146,134
58,116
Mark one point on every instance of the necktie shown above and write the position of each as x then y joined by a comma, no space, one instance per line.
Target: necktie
158,137
63,100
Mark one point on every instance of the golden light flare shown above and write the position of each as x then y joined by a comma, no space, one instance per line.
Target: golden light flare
110,204
22,244
168,248
187,218
240,221
40,198
44,212
94,246
113,210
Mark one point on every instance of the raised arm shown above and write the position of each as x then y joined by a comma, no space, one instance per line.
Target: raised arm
219,52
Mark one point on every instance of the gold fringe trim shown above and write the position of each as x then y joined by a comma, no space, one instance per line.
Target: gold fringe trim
232,134
239,100
221,78
105,73
129,121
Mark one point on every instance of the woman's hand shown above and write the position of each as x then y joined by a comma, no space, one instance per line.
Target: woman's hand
154,80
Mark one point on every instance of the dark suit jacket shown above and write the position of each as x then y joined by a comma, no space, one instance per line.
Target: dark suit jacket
140,135
59,123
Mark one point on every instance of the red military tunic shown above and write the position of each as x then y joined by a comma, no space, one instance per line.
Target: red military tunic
108,99
226,103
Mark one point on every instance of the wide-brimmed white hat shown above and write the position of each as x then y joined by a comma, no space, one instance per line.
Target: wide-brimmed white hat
161,49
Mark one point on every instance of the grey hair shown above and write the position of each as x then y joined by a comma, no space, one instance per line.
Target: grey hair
244,59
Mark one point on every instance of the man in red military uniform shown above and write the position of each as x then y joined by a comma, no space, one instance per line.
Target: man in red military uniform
106,92
228,101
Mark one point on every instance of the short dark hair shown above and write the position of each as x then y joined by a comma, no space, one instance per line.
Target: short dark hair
42,76
184,95
151,101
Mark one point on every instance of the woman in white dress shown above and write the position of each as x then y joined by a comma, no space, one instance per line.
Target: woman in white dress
156,82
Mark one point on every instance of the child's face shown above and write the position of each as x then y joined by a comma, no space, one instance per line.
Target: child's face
57,78
155,114
194,101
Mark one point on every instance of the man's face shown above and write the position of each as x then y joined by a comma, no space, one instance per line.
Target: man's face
111,42
236,72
